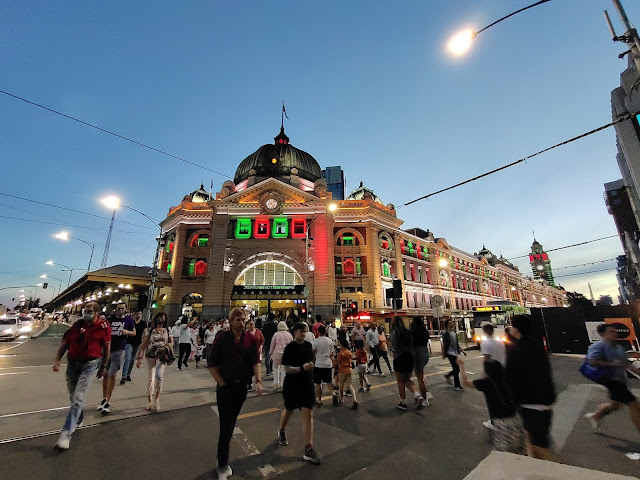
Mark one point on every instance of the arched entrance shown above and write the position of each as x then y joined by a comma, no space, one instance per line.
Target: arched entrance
191,302
269,285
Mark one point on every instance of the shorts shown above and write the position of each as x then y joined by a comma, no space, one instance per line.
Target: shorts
115,362
420,358
298,396
321,375
361,368
344,380
403,363
537,423
508,435
618,391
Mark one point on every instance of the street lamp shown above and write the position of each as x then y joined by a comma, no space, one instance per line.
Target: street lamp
461,42
114,203
65,236
44,275
69,269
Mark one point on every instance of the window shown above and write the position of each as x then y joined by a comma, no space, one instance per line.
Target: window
203,241
280,228
349,266
299,228
261,228
358,266
200,268
347,240
243,228
338,262
386,271
169,267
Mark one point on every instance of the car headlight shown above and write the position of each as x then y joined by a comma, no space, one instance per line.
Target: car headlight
7,330
26,328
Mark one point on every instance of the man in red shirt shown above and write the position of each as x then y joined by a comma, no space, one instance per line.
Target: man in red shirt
316,326
88,340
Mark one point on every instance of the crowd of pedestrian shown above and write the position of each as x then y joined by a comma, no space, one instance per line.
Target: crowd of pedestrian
304,360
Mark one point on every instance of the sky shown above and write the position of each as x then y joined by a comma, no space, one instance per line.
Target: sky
369,86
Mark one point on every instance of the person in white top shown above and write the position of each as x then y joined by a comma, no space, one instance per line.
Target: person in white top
323,350
184,341
492,348
332,332
309,336
280,339
209,336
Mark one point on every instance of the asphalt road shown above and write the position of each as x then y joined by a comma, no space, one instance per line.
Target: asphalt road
25,351
444,441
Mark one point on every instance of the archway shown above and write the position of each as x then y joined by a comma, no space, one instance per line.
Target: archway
191,302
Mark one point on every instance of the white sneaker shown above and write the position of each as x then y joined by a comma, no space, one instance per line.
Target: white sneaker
63,441
224,473
156,405
429,396
488,425
101,406
149,405
424,403
594,423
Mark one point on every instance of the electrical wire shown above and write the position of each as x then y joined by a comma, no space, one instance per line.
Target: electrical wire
568,246
113,133
584,264
73,210
585,273
624,118
69,225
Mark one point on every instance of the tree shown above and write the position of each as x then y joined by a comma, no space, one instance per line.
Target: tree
577,299
605,300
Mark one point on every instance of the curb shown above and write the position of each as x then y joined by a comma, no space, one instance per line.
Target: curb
40,332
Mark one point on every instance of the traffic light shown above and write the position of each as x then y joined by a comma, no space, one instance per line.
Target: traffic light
45,285
354,308
154,304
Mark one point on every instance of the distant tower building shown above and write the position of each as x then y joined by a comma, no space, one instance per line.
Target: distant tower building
540,263
334,176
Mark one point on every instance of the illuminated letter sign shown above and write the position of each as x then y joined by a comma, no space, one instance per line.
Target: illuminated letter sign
280,228
299,228
243,228
486,309
261,228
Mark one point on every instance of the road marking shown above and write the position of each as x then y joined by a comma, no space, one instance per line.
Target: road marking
7,415
7,349
267,470
43,434
12,373
259,412
49,365
248,447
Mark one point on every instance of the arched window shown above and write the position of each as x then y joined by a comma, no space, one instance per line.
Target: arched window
349,267
347,240
200,268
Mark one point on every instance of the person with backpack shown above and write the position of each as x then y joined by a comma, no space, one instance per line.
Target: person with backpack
506,428
611,362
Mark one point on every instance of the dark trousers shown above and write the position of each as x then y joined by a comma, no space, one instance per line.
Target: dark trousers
456,370
185,351
385,355
375,361
230,399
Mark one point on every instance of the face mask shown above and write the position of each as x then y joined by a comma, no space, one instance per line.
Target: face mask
87,317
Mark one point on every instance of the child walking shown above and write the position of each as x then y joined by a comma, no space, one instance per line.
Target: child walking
344,373
361,366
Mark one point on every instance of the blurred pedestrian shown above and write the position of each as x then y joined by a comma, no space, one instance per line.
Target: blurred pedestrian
323,351
131,348
361,366
86,341
209,336
258,340
374,341
157,350
529,378
451,350
184,341
612,363
403,363
298,389
269,329
278,343
232,355
420,350
383,349
491,347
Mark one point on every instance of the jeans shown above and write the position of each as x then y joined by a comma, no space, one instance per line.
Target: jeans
268,364
79,376
385,355
375,361
230,399
453,359
129,359
183,356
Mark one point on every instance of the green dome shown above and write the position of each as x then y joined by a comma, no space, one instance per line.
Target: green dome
277,160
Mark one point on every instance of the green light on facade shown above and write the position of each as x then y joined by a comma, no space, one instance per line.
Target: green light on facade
280,228
243,228
192,267
203,242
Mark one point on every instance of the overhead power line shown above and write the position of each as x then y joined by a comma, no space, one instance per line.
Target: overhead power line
69,225
584,264
584,273
73,210
113,133
568,246
504,167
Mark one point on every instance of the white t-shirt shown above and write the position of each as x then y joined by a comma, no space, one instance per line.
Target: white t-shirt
322,347
309,337
209,335
185,334
494,347
332,333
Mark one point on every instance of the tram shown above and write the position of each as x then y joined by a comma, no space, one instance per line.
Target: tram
498,313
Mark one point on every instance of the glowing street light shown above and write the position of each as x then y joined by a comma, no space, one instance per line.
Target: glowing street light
333,207
461,42
51,262
65,236
111,202
443,263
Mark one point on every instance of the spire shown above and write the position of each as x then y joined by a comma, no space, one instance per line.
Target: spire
281,138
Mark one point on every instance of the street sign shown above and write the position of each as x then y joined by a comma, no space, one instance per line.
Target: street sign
437,301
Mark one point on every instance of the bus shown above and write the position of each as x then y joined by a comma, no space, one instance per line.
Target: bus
498,313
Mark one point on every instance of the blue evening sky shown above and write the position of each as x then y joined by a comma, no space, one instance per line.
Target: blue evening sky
368,85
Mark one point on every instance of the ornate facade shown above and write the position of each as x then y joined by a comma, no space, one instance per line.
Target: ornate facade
275,239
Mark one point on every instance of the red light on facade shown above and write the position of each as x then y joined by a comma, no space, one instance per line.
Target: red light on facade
280,141
200,268
261,228
299,228
545,256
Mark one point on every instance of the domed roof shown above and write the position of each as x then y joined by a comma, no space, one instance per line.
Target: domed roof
200,195
364,192
277,160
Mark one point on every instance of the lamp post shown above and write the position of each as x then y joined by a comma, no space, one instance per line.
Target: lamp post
114,202
69,269
44,275
461,42
308,266
65,236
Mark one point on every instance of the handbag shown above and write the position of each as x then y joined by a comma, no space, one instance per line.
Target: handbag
594,374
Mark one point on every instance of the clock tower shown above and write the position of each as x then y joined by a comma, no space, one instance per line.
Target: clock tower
540,263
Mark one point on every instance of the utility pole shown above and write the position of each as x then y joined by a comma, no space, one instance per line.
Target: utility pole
106,245
593,300
630,36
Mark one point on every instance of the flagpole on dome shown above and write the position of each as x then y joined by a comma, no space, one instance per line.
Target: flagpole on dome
284,114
